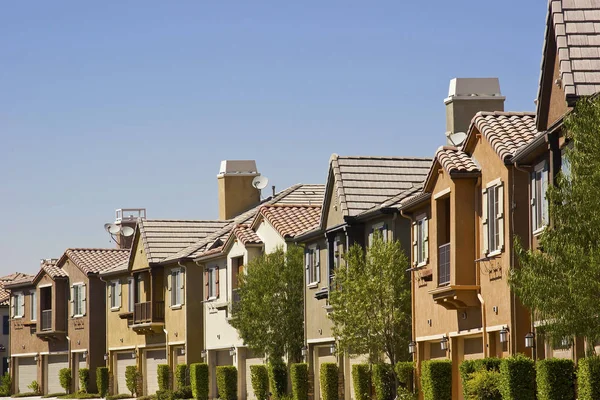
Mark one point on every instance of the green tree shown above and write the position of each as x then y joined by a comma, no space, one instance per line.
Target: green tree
269,315
561,283
371,304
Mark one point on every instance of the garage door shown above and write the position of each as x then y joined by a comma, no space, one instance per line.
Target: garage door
26,373
123,361
153,359
324,356
55,364
249,362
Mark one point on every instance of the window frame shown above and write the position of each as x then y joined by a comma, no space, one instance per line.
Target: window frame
33,305
494,221
113,294
78,310
212,282
176,291
313,265
539,200
130,294
422,234
17,305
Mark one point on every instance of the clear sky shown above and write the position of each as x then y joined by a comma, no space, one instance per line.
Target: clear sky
134,103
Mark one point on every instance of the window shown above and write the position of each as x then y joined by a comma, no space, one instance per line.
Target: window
78,300
131,294
493,217
539,203
421,240
33,305
5,325
313,267
18,306
176,287
212,283
382,229
114,294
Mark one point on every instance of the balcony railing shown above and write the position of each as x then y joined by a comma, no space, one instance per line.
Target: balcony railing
46,320
444,264
149,312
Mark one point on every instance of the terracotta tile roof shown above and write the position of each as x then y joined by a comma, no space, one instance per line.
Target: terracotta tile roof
93,261
576,27
290,220
505,131
364,182
454,160
15,277
122,266
53,271
246,235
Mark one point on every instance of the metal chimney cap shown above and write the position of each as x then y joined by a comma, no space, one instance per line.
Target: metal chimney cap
474,89
238,167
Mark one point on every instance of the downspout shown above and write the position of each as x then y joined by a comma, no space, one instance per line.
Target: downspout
203,324
183,267
106,361
70,363
412,279
486,349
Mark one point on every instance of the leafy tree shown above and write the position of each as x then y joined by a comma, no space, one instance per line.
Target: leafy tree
561,283
371,304
269,315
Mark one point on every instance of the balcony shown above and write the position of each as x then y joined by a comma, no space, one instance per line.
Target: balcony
46,320
47,331
148,317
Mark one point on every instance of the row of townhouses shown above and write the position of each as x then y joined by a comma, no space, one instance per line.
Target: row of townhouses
164,295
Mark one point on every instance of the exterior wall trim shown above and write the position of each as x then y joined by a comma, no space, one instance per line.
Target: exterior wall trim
176,343
50,353
121,348
151,346
471,332
321,340
45,285
25,354
79,351
441,193
430,338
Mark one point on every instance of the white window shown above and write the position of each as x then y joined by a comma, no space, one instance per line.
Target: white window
114,294
421,240
382,229
18,305
176,287
78,300
212,283
313,267
539,203
131,294
493,218
33,305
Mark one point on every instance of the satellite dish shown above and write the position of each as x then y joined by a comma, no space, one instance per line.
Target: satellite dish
106,226
126,231
260,182
457,138
113,229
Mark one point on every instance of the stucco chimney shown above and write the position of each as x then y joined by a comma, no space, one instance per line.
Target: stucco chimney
468,96
236,193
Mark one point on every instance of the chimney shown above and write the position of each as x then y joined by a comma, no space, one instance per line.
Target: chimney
468,96
236,193
122,230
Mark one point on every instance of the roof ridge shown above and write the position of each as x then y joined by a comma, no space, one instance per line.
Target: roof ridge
94,249
506,113
385,158
290,206
185,220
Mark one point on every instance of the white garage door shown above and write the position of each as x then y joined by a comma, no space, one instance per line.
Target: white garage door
123,361
324,356
55,364
26,373
153,359
250,362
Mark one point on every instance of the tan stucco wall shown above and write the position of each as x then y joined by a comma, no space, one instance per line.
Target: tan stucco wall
270,237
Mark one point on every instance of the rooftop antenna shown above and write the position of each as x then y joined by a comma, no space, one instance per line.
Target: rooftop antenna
457,138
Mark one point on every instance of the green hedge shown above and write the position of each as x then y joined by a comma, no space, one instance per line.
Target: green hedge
163,375
277,379
483,385
383,381
181,373
5,385
199,380
588,378
227,382
64,376
131,379
361,379
299,375
517,378
436,379
84,379
329,381
468,367
555,379
405,371
260,381
102,381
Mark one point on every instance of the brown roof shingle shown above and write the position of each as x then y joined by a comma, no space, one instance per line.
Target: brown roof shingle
290,220
93,261
5,280
246,235
453,159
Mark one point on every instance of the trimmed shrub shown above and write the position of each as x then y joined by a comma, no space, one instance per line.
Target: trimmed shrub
383,381
517,378
488,364
102,381
361,380
329,381
131,378
260,381
184,392
277,379
483,385
199,380
118,397
64,376
84,379
555,379
436,379
299,375
405,371
5,385
468,367
165,395
181,373
588,378
227,382
163,374
35,387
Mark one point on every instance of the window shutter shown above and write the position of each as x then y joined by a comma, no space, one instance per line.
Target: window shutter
426,238
385,232
170,281
217,281
544,191
484,219
370,237
500,216
415,243
72,300
534,222
22,305
12,306
83,299
307,262
182,287
118,302
206,283
318,264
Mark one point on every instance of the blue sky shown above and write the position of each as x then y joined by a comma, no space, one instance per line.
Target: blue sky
133,104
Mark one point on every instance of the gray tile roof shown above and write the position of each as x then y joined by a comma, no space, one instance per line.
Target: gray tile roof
576,26
362,183
93,261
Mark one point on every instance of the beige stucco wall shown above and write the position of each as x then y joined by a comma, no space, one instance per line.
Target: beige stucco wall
270,237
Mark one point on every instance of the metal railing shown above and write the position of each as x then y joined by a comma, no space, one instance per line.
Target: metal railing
444,264
149,312
46,320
